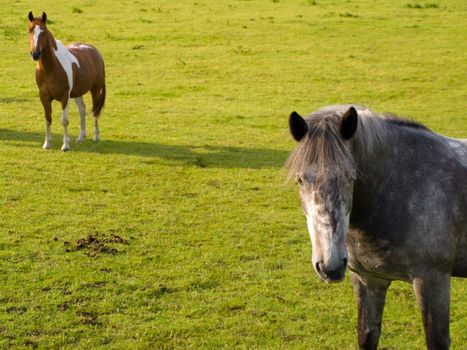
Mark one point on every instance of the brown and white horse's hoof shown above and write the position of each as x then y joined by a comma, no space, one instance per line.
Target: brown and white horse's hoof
65,148
46,145
80,139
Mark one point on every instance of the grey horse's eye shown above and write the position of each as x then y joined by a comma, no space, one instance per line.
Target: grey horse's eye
299,180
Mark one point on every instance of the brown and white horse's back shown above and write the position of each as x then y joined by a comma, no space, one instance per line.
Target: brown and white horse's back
90,72
89,75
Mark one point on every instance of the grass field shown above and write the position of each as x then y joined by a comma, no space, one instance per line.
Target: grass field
176,230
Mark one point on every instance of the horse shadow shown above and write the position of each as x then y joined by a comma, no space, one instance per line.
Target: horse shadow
212,156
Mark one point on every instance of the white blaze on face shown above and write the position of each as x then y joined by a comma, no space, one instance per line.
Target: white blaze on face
37,32
312,232
66,59
318,229
327,246
311,213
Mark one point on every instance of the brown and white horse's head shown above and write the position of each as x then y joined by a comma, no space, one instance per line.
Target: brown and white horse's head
37,37
325,171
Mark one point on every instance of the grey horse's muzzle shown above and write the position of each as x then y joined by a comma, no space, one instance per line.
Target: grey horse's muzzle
331,276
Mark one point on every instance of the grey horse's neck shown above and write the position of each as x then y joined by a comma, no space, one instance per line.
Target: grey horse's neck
391,157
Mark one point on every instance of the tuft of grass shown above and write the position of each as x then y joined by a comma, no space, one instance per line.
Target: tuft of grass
10,33
144,20
312,2
348,15
427,5
200,162
414,5
76,9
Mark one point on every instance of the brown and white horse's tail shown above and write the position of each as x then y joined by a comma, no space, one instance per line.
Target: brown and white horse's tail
96,110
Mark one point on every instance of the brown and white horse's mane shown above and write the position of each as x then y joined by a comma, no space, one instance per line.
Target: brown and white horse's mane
324,149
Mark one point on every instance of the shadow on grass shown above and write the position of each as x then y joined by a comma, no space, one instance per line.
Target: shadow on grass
201,156
13,100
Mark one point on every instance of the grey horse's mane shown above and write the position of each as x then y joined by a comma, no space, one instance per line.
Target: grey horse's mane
324,149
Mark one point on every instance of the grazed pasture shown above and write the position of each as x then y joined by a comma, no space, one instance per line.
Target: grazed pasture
176,230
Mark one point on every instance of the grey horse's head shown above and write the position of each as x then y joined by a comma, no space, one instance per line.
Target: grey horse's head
325,171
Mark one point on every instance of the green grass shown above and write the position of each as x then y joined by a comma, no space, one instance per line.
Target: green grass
214,250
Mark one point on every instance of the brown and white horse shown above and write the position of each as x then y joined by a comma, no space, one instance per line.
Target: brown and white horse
63,73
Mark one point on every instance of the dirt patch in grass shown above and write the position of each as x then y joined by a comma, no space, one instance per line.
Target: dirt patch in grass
96,243
16,310
64,306
89,318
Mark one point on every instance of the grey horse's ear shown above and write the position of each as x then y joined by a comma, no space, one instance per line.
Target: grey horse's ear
44,17
298,126
31,17
349,123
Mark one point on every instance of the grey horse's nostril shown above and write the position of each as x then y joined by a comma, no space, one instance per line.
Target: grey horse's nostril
319,268
331,275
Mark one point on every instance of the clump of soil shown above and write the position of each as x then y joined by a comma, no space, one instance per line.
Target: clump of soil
97,243
89,318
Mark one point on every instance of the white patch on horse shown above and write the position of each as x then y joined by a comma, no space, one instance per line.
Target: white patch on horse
80,46
37,32
311,229
82,113
317,225
66,59
48,136
459,146
328,243
65,122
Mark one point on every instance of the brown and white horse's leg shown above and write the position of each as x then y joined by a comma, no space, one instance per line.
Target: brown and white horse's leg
433,296
95,100
97,132
65,122
47,104
371,295
82,114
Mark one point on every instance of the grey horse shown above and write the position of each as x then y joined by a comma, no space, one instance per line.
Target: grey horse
386,197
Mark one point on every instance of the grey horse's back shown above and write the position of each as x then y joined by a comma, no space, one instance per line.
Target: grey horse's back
459,146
